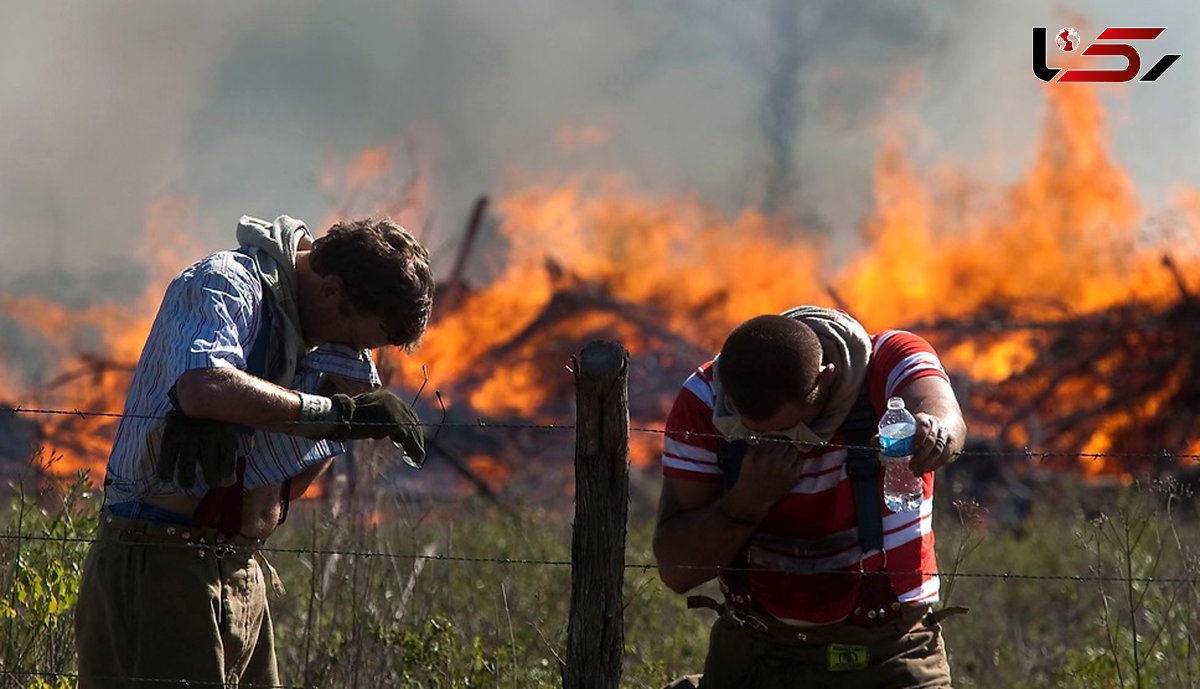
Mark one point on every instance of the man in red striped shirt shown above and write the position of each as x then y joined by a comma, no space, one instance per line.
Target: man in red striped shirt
758,460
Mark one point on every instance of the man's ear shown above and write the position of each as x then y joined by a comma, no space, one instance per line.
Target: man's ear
332,286
826,375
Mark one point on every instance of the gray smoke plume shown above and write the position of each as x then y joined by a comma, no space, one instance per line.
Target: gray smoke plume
106,107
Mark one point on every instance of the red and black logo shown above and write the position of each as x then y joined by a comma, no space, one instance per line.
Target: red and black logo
1110,42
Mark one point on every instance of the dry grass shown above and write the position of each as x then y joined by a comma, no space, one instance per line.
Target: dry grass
362,611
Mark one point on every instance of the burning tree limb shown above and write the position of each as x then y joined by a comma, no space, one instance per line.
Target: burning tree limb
92,367
453,288
1125,380
1169,264
579,312
477,482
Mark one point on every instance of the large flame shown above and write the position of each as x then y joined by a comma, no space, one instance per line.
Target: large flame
96,348
1061,238
677,258
590,257
1063,241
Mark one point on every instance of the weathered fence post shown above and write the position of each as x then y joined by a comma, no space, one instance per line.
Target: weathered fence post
596,629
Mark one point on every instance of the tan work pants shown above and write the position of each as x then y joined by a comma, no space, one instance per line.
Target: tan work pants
162,605
752,653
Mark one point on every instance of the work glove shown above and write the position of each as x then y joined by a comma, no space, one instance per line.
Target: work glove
188,442
379,414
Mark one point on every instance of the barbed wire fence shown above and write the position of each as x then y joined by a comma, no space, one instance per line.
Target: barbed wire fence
601,452
633,566
1024,452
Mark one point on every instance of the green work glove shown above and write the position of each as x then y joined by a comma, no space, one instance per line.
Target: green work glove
188,442
379,414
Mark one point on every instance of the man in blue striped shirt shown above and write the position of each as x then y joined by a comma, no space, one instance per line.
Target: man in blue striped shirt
256,369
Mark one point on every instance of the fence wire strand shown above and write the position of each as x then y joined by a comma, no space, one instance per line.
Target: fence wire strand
1025,452
1007,577
480,423
639,566
29,674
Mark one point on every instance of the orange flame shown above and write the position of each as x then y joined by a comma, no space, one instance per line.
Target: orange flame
97,347
1062,241
1065,239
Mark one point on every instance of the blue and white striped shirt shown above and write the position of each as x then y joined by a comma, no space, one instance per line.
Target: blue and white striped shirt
209,318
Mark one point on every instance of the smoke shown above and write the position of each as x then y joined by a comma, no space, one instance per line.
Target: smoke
107,107
96,99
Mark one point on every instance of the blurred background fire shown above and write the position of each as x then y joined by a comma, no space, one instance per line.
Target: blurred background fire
1060,289
1064,328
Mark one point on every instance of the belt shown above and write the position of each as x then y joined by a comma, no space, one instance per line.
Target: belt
910,617
204,540
201,539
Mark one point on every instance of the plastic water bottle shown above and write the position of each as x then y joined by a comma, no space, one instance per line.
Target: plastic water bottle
902,490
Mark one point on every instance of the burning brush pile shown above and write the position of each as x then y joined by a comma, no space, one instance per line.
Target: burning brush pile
1062,311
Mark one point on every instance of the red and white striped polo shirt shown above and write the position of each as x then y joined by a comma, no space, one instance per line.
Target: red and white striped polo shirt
820,507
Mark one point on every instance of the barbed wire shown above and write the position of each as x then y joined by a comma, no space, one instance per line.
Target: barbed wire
148,680
478,423
1025,452
219,549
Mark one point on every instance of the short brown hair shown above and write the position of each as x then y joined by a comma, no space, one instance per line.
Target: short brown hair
767,362
385,271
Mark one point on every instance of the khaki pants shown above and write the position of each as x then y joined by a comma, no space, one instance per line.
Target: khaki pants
155,610
751,653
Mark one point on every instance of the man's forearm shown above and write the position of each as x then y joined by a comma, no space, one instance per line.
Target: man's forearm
234,396
692,547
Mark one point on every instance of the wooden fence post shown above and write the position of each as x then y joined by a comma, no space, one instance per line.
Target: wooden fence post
596,629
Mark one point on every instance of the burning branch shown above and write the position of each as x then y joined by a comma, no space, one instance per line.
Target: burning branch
454,286
1176,273
1125,380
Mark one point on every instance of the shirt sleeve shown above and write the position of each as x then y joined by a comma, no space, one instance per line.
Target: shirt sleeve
690,441
898,358
214,311
210,313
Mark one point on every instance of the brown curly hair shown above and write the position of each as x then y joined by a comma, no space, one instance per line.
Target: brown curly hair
385,271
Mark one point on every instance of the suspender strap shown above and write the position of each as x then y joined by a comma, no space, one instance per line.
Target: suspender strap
862,466
257,359
729,459
863,469
222,506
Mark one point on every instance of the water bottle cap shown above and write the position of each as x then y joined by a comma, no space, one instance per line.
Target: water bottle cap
895,403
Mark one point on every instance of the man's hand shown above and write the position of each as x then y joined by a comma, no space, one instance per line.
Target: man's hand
769,471
379,414
188,442
935,444
701,528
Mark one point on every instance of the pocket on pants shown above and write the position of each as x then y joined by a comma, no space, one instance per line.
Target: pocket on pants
243,610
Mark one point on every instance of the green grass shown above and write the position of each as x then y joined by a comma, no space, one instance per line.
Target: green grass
361,611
